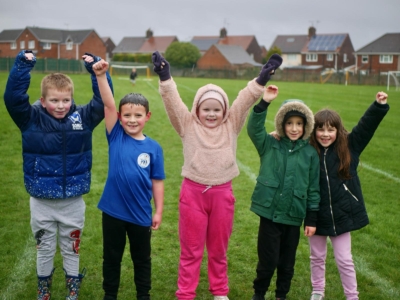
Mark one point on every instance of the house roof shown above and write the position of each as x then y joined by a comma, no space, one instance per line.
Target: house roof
388,43
325,43
49,35
159,43
10,35
290,43
129,44
144,45
205,42
236,55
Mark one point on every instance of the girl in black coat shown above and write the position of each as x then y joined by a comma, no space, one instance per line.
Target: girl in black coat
342,207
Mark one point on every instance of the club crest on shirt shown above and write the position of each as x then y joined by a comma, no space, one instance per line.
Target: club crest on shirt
143,160
76,121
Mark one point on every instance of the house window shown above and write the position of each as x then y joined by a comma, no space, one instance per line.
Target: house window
22,44
385,59
46,46
31,45
364,59
311,57
13,45
69,45
329,57
345,57
292,57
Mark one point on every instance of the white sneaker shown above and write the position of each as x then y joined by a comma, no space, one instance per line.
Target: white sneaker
316,297
221,298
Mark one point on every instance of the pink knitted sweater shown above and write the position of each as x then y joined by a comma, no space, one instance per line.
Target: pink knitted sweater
209,153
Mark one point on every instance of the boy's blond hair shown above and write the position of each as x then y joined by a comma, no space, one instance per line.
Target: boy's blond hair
58,81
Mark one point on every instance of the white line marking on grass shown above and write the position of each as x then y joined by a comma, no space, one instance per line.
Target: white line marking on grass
383,285
246,170
362,267
21,270
152,86
371,168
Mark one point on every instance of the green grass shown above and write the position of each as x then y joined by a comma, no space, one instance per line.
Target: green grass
375,248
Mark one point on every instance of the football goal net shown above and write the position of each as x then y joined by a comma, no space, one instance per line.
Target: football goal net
393,79
123,71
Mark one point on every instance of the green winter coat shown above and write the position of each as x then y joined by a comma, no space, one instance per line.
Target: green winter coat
288,182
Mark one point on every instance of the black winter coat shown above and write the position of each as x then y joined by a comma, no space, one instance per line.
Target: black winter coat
342,207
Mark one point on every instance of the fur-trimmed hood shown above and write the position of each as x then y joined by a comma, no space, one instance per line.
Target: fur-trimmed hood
298,105
204,89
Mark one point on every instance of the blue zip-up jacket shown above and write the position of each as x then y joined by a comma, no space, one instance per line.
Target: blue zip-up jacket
57,153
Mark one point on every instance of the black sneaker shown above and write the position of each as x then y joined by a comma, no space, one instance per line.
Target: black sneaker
258,297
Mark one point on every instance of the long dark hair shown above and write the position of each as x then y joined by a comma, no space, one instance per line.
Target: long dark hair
331,118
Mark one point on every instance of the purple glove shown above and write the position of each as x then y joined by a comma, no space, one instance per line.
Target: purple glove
269,69
89,66
161,66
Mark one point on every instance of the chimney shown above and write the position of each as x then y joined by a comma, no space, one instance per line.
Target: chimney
149,33
312,32
223,33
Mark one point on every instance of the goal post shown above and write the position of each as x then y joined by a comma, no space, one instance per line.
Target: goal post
125,70
395,75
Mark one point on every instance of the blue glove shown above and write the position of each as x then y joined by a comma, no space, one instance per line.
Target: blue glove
21,57
269,69
89,66
161,66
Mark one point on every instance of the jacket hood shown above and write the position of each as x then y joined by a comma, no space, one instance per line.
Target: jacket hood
204,89
298,105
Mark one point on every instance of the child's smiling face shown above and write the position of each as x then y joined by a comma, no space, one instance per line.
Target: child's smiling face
210,113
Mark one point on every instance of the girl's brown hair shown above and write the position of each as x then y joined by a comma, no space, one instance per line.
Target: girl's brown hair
330,117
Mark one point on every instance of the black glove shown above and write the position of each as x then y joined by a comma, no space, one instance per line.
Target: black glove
89,66
269,69
161,66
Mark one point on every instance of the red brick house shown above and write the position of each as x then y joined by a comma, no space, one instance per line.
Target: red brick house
226,57
51,43
331,51
381,55
247,42
145,44
110,46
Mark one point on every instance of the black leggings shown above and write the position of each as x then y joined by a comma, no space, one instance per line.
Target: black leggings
114,240
277,245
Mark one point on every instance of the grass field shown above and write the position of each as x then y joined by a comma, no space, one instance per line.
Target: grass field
376,248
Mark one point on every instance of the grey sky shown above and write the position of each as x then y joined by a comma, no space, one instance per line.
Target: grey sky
364,20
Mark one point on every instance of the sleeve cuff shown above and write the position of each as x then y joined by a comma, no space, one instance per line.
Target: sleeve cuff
261,106
311,218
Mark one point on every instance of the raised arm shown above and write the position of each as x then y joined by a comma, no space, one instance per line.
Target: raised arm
250,94
16,98
110,111
177,111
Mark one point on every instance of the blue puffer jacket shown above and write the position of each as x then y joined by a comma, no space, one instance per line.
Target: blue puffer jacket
57,153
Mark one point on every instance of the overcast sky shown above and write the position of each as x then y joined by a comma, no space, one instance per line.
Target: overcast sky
363,20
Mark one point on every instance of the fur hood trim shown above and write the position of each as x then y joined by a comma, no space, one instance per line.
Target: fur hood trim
298,105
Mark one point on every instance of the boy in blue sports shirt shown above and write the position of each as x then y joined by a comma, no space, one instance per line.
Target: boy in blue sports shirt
135,176
57,161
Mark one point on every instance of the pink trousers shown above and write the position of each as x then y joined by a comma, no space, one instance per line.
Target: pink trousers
342,251
205,219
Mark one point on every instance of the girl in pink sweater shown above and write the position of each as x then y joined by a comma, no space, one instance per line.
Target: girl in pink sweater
206,206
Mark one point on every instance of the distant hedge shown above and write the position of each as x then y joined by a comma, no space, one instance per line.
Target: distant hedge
138,58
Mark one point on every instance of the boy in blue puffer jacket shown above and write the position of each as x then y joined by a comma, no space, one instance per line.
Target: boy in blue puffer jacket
57,161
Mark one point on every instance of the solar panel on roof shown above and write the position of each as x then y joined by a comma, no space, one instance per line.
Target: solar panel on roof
326,42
